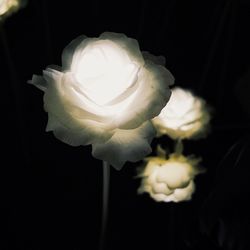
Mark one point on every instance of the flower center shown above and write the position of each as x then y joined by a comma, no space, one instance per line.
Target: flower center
104,71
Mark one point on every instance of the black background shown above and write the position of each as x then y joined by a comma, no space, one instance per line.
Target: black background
51,192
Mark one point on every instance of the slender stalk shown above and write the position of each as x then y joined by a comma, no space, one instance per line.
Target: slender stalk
178,147
171,228
105,198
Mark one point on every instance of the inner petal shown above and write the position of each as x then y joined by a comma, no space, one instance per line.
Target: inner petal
104,71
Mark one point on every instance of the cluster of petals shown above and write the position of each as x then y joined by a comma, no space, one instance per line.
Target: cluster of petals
185,116
171,179
105,94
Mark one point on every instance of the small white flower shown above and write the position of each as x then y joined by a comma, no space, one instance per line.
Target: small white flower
7,7
185,116
169,179
105,94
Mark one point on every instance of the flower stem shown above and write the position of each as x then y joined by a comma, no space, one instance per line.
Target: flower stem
178,149
171,228
105,198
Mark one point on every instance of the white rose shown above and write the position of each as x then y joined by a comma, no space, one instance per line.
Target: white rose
9,6
185,116
169,179
105,94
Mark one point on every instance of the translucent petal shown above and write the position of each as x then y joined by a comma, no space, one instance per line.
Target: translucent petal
130,45
155,59
152,95
70,49
39,82
54,104
73,138
125,145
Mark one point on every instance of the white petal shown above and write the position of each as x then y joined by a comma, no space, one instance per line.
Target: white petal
184,194
39,82
73,138
125,145
151,96
161,188
54,104
156,59
175,175
158,197
82,107
151,169
130,45
79,104
69,50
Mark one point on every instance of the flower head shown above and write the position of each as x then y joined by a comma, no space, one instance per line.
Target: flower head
185,116
105,94
7,7
169,179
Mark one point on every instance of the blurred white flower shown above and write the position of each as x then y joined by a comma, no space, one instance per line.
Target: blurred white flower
169,179
185,116
7,7
105,94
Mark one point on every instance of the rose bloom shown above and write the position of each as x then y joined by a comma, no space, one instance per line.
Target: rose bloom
169,179
7,7
185,116
105,94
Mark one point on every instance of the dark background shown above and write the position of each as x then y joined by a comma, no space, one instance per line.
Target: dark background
51,192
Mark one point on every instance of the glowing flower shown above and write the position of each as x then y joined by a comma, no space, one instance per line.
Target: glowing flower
169,179
185,116
7,7
105,94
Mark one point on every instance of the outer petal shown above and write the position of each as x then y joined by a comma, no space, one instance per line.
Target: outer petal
66,135
125,145
152,95
130,45
155,59
158,197
184,194
175,176
161,188
54,104
75,48
69,50
39,82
